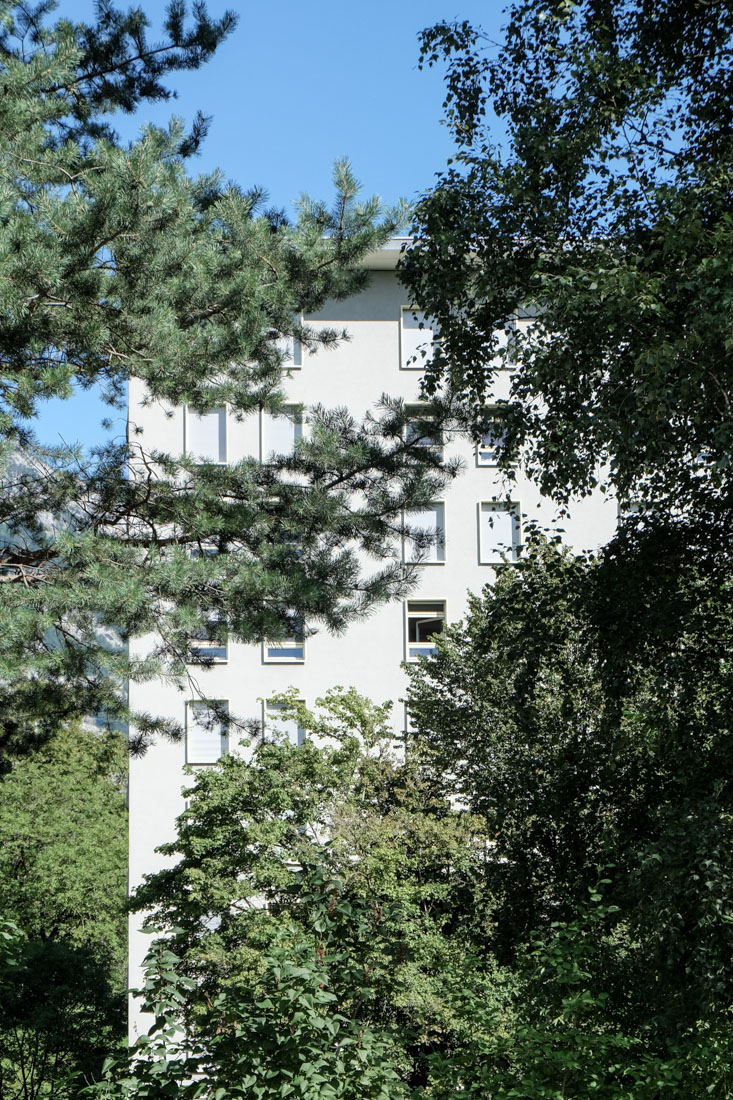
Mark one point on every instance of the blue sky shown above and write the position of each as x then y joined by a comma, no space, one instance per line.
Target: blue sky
295,87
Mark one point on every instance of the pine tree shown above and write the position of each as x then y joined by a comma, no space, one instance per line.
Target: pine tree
118,265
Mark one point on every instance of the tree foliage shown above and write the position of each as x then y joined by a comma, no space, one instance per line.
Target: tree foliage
118,265
321,922
594,739
581,237
592,179
63,863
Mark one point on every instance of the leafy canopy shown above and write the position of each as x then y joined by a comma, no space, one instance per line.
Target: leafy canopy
591,180
322,914
63,871
592,733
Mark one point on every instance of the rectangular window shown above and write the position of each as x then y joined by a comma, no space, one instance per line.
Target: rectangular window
203,550
209,642
281,432
499,532
416,338
206,435
487,452
519,325
207,736
432,521
421,431
287,649
425,619
292,349
278,721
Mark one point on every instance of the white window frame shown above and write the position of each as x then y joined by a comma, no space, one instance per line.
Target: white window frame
223,733
415,413
486,456
296,642
205,648
292,348
438,547
269,712
294,413
519,321
511,554
223,435
416,649
419,362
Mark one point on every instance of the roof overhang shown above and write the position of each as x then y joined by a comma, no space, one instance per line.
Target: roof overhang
386,257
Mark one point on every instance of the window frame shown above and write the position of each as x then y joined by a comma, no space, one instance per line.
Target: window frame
480,449
223,431
438,546
207,645
267,707
224,732
298,422
427,649
413,413
513,507
298,640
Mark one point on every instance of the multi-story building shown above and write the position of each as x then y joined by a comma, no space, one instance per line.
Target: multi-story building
478,528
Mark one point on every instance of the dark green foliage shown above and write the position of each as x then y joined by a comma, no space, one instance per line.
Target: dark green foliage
592,731
325,918
59,1017
603,195
117,265
584,706
63,870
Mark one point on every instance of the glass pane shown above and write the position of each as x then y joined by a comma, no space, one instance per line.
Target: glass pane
491,440
279,433
285,651
206,435
432,520
287,726
206,738
421,630
499,531
415,340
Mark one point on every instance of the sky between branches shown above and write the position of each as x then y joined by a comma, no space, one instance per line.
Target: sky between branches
294,88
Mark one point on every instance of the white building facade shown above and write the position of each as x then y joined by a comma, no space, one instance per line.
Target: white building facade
477,527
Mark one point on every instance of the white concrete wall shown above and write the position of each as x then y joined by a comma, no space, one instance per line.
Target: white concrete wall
370,654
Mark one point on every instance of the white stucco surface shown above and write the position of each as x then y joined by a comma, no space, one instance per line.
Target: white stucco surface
369,656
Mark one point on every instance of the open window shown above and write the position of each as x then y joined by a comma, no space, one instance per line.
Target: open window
207,734
416,338
278,719
425,620
281,431
432,521
500,533
205,435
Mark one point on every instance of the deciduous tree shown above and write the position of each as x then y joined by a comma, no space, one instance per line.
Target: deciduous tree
591,178
63,872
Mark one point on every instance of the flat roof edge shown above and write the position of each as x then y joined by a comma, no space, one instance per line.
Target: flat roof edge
386,257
